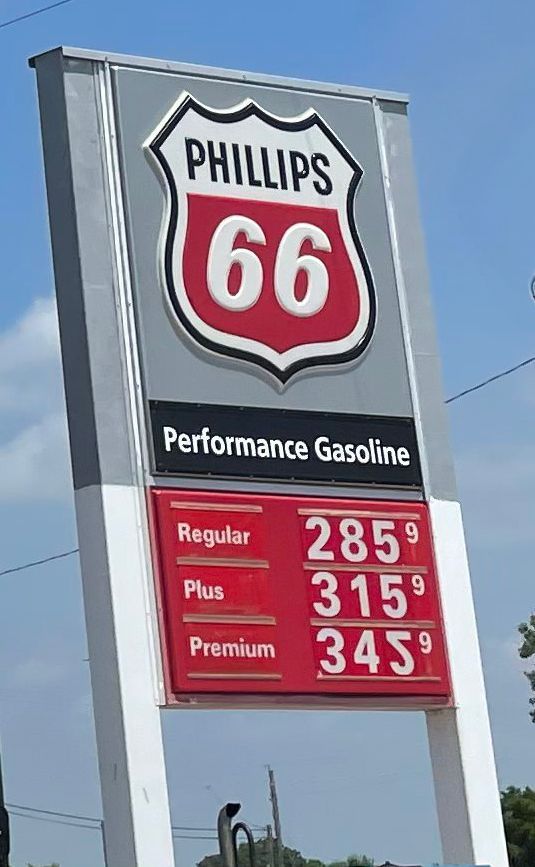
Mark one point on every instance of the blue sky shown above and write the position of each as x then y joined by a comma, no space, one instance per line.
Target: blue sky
348,782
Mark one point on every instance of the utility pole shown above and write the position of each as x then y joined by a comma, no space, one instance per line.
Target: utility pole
270,847
279,859
4,825
103,835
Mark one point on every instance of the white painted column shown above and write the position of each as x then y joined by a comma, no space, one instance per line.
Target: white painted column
460,740
124,678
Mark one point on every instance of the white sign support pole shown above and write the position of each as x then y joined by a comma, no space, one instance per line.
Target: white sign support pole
127,718
101,385
460,742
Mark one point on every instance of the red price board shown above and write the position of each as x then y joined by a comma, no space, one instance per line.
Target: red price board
298,596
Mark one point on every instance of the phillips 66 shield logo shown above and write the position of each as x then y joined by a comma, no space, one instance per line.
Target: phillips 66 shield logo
261,257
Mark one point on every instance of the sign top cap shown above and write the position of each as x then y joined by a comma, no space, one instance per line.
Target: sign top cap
201,71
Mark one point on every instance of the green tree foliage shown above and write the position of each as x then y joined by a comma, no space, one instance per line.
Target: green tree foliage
526,651
518,808
354,861
291,858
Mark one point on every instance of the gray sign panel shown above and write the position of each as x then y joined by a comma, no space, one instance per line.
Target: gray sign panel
185,135
175,367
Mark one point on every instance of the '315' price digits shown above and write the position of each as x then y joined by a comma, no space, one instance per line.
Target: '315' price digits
369,595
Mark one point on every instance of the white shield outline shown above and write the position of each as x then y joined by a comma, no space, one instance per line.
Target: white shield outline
281,365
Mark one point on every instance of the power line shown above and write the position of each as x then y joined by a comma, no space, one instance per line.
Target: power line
191,828
95,827
39,562
199,837
54,813
77,820
54,821
491,379
214,830
35,12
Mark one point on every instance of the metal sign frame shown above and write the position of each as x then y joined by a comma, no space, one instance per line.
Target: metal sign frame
105,396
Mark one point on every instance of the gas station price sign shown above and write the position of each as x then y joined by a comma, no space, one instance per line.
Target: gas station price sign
301,596
219,282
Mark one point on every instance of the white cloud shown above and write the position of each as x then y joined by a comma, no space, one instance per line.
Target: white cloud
32,340
34,464
34,453
30,371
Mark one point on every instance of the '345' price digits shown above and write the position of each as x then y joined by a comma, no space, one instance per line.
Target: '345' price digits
379,653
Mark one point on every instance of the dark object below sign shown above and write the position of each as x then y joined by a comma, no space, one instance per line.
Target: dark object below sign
203,439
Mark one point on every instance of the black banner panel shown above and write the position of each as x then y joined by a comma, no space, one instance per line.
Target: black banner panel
284,445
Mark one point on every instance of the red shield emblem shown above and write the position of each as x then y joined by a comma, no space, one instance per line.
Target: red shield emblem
261,257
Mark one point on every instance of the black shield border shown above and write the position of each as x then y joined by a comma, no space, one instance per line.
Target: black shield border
224,116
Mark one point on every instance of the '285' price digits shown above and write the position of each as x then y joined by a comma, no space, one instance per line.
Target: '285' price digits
361,539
